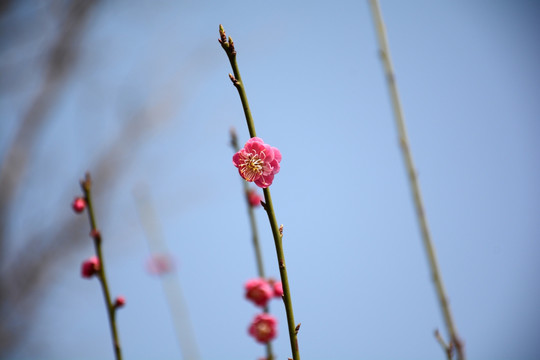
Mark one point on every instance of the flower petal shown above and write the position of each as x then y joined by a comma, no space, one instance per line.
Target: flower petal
269,153
265,181
238,158
275,167
277,154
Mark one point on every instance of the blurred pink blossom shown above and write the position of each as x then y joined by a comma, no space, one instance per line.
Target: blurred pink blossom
160,264
259,291
263,328
254,198
90,267
258,162
278,289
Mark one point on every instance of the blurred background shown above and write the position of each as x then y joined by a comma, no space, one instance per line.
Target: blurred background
137,93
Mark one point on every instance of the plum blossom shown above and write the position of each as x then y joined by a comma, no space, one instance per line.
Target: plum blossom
259,291
263,328
90,267
258,162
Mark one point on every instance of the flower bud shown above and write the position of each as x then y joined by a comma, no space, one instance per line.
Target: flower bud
90,267
119,302
78,205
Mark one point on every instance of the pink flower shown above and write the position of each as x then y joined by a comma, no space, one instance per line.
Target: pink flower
254,198
78,205
263,328
259,291
258,162
90,267
119,302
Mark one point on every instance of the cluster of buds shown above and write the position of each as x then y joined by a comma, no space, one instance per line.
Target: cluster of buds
259,291
92,266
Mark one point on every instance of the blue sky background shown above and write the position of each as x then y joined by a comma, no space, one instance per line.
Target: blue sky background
469,82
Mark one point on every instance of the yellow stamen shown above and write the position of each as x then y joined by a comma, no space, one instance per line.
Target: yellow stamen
252,167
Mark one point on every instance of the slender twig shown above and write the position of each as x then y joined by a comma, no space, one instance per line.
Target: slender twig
86,186
413,181
251,213
228,46
448,348
255,238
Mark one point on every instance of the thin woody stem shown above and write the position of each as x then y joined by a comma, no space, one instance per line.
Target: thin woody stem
228,46
277,232
413,181
448,349
255,238
251,214
86,186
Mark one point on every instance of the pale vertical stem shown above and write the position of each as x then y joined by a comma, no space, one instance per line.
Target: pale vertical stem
255,238
251,215
228,46
413,180
170,281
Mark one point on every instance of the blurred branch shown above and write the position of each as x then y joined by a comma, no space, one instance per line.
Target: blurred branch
5,5
30,267
170,281
60,60
29,270
15,162
448,349
254,237
413,181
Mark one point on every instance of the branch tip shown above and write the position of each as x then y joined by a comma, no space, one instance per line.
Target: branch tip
231,46
448,348
86,183
223,37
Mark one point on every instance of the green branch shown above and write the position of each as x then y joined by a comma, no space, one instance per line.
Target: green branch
255,238
236,79
413,181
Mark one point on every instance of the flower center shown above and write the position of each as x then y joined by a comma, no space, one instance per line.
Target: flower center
263,329
252,167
